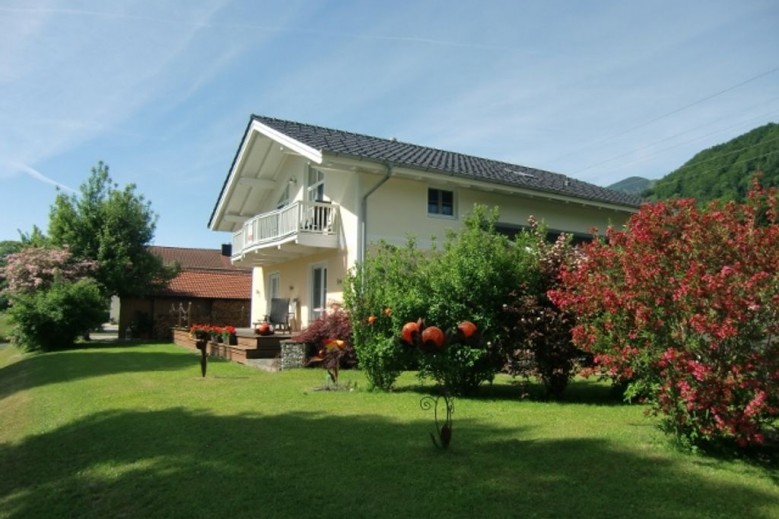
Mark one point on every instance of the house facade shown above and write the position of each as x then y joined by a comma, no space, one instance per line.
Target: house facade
303,204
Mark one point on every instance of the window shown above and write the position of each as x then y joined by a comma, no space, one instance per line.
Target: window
274,286
318,290
316,185
440,202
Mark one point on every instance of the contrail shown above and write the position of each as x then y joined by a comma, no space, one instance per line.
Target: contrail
37,175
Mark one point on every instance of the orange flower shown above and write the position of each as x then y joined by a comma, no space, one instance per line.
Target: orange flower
388,312
371,319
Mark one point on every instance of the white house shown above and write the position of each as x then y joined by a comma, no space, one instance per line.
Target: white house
303,203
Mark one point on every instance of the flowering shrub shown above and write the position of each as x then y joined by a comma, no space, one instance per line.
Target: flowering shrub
53,297
683,306
37,268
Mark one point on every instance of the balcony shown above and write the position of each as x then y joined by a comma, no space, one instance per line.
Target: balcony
297,230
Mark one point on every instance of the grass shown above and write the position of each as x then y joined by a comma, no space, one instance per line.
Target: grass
134,431
5,326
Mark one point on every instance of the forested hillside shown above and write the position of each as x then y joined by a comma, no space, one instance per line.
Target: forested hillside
724,171
632,185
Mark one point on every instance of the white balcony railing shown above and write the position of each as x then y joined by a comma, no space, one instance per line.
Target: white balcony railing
285,224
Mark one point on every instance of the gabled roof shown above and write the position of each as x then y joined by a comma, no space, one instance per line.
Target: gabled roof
194,258
205,273
404,154
210,284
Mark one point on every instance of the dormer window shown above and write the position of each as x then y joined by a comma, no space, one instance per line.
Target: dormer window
440,202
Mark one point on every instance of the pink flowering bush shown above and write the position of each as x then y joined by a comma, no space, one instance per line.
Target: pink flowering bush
53,298
683,307
37,268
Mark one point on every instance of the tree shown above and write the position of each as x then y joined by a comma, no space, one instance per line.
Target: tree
53,298
113,227
683,307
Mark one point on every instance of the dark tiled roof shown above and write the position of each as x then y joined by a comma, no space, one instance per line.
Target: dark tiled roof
446,162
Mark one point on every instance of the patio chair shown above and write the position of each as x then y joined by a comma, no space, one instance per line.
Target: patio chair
279,314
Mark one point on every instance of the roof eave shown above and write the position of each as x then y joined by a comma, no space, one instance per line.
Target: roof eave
282,139
487,185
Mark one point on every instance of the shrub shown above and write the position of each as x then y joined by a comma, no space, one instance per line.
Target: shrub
52,319
380,294
683,306
37,268
540,331
470,279
53,298
334,324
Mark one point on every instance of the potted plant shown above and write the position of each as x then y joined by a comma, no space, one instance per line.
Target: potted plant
228,335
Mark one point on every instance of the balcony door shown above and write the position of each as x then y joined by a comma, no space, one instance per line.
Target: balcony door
315,186
318,290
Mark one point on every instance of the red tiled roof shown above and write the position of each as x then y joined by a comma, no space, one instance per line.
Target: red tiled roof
195,258
210,284
205,273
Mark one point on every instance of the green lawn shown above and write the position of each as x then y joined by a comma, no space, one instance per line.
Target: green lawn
5,326
134,431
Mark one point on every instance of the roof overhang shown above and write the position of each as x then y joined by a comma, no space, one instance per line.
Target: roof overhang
261,147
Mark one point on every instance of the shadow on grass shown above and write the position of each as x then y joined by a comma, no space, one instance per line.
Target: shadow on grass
97,359
180,463
580,392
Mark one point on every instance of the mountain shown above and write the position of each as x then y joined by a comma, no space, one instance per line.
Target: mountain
632,185
724,171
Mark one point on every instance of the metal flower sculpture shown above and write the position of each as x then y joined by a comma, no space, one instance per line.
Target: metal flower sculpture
431,340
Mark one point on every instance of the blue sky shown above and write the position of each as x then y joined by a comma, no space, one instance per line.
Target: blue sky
162,90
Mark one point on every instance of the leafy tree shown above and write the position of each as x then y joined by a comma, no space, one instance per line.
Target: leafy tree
53,298
683,306
113,227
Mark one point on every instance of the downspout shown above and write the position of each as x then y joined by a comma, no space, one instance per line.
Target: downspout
361,251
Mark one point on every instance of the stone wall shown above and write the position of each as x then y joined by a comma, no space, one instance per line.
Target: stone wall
293,355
